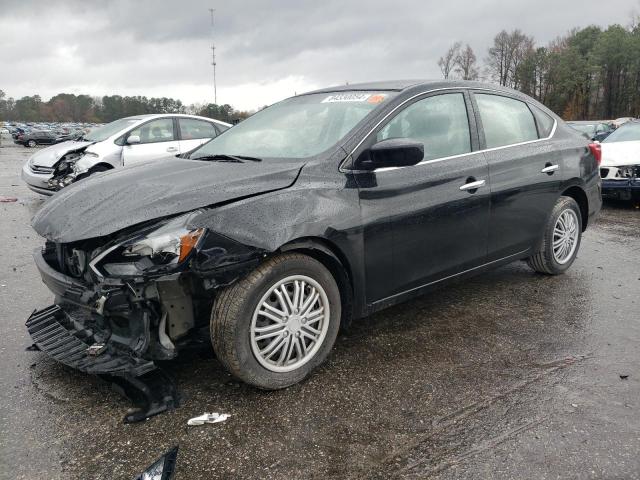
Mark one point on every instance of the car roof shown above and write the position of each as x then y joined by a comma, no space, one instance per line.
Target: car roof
401,85
149,116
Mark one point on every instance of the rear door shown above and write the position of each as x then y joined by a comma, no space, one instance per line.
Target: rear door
524,168
422,223
158,139
194,132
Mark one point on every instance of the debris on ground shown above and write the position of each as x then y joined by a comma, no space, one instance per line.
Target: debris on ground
4,199
208,418
624,377
163,468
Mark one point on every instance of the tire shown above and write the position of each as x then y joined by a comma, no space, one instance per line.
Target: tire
546,260
31,143
234,318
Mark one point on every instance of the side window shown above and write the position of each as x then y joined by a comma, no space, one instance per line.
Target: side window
505,121
160,130
191,129
545,122
440,123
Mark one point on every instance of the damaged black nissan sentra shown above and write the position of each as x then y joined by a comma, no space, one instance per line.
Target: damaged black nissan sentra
324,207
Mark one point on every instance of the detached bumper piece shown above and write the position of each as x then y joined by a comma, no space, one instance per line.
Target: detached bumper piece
54,332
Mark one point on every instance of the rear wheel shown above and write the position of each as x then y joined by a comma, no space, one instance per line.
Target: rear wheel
272,328
561,240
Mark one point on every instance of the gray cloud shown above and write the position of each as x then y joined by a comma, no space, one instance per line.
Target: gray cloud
266,49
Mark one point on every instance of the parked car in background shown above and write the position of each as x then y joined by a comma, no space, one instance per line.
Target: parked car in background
324,207
123,142
593,130
618,122
34,138
620,168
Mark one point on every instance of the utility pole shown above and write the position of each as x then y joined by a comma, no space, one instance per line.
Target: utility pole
213,60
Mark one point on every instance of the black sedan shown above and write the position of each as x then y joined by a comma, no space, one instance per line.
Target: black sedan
322,208
34,138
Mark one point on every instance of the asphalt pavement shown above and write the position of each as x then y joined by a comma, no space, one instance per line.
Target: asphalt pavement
508,375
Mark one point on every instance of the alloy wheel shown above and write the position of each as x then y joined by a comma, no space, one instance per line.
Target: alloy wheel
290,323
565,236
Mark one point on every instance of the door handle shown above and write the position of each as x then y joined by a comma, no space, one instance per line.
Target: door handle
549,169
172,149
473,185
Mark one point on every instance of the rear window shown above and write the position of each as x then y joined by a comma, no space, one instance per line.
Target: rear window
505,121
545,121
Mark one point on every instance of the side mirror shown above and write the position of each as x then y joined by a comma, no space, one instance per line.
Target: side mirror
394,152
133,139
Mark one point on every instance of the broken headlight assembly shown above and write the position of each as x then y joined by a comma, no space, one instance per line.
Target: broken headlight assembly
629,171
158,250
66,171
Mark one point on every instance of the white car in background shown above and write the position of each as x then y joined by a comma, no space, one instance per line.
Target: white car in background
123,142
620,167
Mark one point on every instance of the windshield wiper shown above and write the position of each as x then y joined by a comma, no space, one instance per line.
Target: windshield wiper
223,157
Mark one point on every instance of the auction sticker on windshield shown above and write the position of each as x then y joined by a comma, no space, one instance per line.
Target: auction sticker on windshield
352,97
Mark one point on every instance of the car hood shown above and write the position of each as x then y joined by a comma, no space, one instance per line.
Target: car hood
117,199
618,154
48,157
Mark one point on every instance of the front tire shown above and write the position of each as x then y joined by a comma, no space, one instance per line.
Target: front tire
275,326
561,240
31,143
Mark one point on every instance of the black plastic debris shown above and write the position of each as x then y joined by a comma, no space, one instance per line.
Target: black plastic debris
152,393
150,389
163,468
624,377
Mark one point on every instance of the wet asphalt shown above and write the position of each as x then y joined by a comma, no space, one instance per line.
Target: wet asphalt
508,375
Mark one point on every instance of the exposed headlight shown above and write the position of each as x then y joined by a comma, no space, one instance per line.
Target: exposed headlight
170,244
174,246
629,171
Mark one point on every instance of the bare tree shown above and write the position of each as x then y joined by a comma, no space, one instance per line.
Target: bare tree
447,62
506,55
465,64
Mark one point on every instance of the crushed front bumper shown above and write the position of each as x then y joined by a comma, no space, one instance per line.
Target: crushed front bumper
75,340
74,332
37,181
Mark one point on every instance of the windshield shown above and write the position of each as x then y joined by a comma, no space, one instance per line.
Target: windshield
589,129
627,133
102,133
299,127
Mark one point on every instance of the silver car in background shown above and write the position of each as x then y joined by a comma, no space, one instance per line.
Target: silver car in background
123,142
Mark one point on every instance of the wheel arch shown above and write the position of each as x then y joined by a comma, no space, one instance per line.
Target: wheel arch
335,261
106,165
578,194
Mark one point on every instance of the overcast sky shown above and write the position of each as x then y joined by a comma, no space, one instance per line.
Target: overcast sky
266,50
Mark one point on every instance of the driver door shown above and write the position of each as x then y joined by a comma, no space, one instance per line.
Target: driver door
421,223
158,139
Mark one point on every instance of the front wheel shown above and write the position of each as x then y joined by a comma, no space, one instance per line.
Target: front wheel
31,143
561,240
272,328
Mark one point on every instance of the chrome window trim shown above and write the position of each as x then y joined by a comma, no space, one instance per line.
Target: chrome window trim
425,162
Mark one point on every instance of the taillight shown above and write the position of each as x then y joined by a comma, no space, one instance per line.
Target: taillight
596,150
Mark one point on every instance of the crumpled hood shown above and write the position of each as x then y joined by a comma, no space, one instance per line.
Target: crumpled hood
618,154
48,157
110,201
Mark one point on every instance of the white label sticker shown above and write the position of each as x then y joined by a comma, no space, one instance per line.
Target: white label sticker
347,97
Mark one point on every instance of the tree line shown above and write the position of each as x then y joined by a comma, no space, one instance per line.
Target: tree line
589,73
68,107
